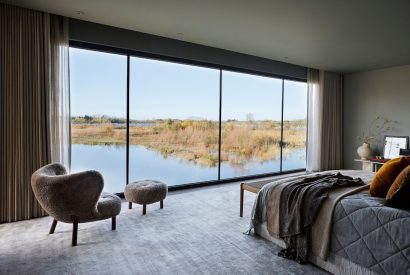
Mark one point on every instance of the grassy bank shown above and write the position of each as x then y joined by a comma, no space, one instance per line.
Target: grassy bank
197,141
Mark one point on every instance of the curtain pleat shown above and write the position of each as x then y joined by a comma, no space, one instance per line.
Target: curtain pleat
314,137
325,121
25,83
332,122
59,97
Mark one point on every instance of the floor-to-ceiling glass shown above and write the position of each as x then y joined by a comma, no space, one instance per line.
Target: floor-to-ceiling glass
294,125
98,96
251,124
174,122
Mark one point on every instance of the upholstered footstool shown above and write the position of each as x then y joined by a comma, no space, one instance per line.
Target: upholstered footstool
145,192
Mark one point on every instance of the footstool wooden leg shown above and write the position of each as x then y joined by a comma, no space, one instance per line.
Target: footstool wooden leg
161,204
113,223
130,205
75,231
144,209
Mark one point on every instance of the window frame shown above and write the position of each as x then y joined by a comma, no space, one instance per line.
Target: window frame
133,53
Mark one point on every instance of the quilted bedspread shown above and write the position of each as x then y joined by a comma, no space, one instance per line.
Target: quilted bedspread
372,235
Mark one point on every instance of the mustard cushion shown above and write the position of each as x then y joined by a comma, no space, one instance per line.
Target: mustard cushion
398,194
386,175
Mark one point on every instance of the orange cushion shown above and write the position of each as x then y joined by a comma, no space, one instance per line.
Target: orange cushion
398,194
398,183
386,175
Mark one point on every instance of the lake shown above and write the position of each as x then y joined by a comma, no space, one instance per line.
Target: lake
110,161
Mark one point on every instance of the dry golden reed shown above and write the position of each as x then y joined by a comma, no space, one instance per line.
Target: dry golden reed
197,141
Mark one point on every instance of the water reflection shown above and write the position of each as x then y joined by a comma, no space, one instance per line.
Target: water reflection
148,164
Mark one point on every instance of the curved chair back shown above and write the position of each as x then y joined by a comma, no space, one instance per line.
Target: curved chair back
67,197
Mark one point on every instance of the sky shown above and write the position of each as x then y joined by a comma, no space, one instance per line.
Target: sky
158,89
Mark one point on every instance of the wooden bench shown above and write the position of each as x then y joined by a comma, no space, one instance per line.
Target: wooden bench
255,186
251,186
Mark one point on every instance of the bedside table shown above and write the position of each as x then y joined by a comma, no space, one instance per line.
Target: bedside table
370,165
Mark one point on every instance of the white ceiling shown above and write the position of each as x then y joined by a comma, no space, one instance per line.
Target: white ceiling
336,35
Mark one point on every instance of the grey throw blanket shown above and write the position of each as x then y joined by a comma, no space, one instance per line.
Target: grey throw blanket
258,213
299,205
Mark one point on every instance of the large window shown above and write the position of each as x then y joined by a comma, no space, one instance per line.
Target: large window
185,123
98,91
251,124
294,125
174,125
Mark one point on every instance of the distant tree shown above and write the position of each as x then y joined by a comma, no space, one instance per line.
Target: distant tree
249,117
170,122
88,119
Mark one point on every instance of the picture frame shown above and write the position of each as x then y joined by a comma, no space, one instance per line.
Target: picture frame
393,144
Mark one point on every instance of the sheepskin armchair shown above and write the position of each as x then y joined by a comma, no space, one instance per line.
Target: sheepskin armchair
74,198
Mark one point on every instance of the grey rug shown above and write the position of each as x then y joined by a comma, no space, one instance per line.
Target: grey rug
198,232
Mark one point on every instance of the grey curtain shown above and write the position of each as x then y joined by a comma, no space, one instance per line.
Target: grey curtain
325,121
332,121
27,81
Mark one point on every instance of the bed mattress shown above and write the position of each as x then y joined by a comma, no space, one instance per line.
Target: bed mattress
372,235
366,237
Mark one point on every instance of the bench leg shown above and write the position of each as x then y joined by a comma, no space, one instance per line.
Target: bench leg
161,204
144,209
241,201
130,205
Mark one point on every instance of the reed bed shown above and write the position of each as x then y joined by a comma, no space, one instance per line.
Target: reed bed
197,141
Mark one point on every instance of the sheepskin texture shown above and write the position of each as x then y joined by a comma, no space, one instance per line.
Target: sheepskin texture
145,191
65,196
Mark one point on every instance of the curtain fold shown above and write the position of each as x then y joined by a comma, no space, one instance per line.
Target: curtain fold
59,94
26,83
332,121
325,121
314,121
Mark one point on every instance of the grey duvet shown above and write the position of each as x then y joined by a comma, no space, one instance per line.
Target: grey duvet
360,228
372,235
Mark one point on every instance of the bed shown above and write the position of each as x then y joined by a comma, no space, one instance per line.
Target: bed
363,235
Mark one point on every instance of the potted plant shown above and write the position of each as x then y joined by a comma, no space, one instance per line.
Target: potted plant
378,126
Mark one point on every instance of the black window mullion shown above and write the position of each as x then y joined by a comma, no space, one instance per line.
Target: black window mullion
281,128
128,120
220,125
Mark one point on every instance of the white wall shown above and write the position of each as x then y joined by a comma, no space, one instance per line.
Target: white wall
370,94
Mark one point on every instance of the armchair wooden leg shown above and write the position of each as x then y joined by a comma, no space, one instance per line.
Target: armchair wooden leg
144,209
53,226
161,204
130,205
75,231
114,223
241,201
